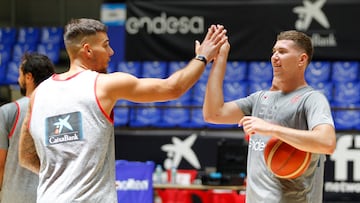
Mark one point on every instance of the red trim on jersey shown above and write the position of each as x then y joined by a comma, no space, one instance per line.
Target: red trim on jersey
16,120
110,117
57,76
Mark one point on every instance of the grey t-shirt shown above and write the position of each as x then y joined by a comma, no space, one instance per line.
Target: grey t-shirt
4,131
19,184
302,109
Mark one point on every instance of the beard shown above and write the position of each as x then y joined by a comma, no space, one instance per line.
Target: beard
22,86
23,91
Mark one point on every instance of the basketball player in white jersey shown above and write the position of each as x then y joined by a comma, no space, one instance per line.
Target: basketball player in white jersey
68,135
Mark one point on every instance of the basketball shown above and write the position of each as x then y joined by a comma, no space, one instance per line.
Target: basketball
284,160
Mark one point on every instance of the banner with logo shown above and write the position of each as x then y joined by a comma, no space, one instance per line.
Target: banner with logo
185,150
134,181
342,170
191,150
166,30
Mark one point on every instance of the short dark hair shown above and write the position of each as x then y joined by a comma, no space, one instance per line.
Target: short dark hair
76,29
301,40
39,65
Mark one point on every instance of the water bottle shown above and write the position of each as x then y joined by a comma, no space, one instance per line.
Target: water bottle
158,174
173,175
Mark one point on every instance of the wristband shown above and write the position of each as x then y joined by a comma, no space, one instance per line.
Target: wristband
201,58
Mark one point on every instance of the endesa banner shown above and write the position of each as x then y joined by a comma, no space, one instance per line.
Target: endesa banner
166,30
342,170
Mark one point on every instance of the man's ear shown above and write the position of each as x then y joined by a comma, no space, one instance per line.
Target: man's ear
29,80
29,76
87,49
303,60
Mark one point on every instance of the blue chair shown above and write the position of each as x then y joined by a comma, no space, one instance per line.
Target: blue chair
235,71
222,126
318,71
197,118
3,68
257,86
347,92
12,72
174,66
131,67
325,87
345,71
8,35
134,181
52,35
28,35
154,69
20,48
205,75
198,93
5,53
235,90
145,115
112,67
260,71
346,119
175,114
121,113
50,50
185,98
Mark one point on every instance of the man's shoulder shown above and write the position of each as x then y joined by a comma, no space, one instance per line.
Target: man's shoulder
15,105
9,106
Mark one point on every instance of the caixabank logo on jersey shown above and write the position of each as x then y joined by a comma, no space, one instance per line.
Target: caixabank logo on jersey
63,128
312,13
342,171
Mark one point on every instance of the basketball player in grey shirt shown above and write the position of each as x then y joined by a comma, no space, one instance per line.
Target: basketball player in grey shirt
19,184
292,112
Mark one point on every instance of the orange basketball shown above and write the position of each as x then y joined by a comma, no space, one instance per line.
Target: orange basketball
284,160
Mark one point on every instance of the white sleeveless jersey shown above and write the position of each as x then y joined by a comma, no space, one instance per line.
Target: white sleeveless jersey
74,140
302,109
